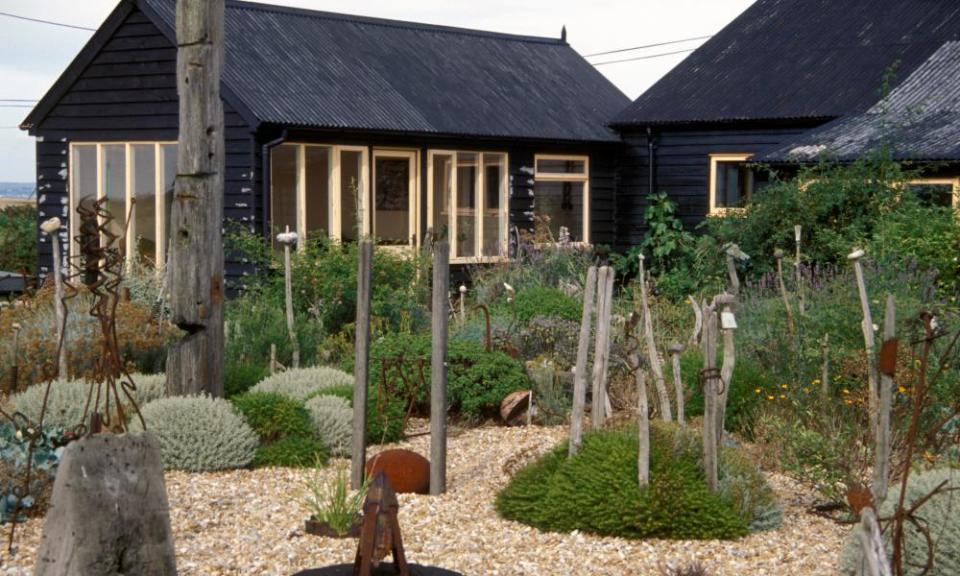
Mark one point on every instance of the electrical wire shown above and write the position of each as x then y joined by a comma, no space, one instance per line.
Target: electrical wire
644,57
40,21
647,46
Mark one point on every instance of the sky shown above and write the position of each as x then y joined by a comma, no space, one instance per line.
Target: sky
33,55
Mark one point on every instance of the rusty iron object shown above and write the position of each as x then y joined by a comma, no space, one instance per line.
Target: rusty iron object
888,357
488,338
380,532
99,268
406,471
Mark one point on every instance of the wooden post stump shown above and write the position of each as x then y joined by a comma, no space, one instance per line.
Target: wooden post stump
358,452
108,513
580,371
438,369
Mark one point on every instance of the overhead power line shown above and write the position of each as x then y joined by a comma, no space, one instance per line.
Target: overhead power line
18,100
16,105
40,21
647,46
644,57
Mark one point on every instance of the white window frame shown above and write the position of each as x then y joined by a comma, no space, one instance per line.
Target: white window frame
334,202
955,182
159,211
481,199
714,160
568,177
413,217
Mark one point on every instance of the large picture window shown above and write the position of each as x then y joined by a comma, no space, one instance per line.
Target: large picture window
467,203
136,181
561,195
319,188
943,192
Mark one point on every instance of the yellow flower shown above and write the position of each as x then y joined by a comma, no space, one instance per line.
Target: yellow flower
901,389
757,390
816,382
845,391
770,397
784,386
782,396
848,402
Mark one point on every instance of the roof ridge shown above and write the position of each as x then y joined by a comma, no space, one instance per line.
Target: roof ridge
390,23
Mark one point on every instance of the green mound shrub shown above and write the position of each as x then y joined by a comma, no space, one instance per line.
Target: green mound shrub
547,302
273,416
292,452
240,378
743,401
302,383
344,392
939,516
68,397
199,433
596,491
333,422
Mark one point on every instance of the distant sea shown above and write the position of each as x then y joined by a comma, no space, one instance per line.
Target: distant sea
17,189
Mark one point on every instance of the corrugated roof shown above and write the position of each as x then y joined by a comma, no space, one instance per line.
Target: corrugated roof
318,69
919,120
798,59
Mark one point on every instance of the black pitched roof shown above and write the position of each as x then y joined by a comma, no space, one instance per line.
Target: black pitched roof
798,59
318,69
919,120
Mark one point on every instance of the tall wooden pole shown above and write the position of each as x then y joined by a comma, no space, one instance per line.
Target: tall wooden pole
675,350
602,346
580,373
869,339
195,362
652,354
358,453
288,239
52,228
438,369
709,381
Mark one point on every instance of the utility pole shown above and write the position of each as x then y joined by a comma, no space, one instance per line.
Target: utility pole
195,362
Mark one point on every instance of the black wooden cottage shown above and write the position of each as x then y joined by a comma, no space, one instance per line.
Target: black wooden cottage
780,69
339,124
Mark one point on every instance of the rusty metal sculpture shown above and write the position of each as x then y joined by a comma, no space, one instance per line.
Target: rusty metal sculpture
99,268
380,533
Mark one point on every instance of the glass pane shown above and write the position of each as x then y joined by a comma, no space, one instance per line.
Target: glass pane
283,190
351,164
734,182
392,201
168,165
318,183
115,190
466,205
494,170
144,226
83,171
551,166
933,194
561,205
442,192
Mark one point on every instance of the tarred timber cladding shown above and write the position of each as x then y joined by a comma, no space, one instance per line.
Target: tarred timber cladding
129,93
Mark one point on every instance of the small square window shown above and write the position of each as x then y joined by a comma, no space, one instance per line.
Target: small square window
732,181
935,192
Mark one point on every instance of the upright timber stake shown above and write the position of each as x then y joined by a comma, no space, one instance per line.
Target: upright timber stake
728,323
463,304
654,358
195,362
602,346
438,369
361,365
675,350
289,239
732,252
869,338
643,425
797,234
52,228
778,254
580,371
709,379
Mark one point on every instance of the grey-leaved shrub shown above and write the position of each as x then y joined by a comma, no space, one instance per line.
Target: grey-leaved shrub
938,515
302,383
333,418
199,433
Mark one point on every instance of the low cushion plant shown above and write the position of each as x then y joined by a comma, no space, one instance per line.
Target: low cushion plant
596,491
274,417
547,302
302,383
292,451
199,433
333,422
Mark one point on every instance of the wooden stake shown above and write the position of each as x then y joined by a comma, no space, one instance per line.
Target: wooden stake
869,338
778,254
195,362
825,367
463,304
358,453
652,354
288,239
797,233
698,322
601,346
881,467
643,424
729,361
675,350
580,370
709,380
52,228
438,369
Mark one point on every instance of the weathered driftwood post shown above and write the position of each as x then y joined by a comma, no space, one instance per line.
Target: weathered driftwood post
652,355
825,366
601,346
109,513
438,369
52,228
697,323
708,379
869,338
643,423
675,350
801,303
288,239
580,370
732,253
195,362
463,304
875,561
778,254
358,453
728,323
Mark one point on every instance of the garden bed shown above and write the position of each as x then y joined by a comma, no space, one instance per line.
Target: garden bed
251,522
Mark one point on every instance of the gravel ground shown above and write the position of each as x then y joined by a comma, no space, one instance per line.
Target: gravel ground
250,522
